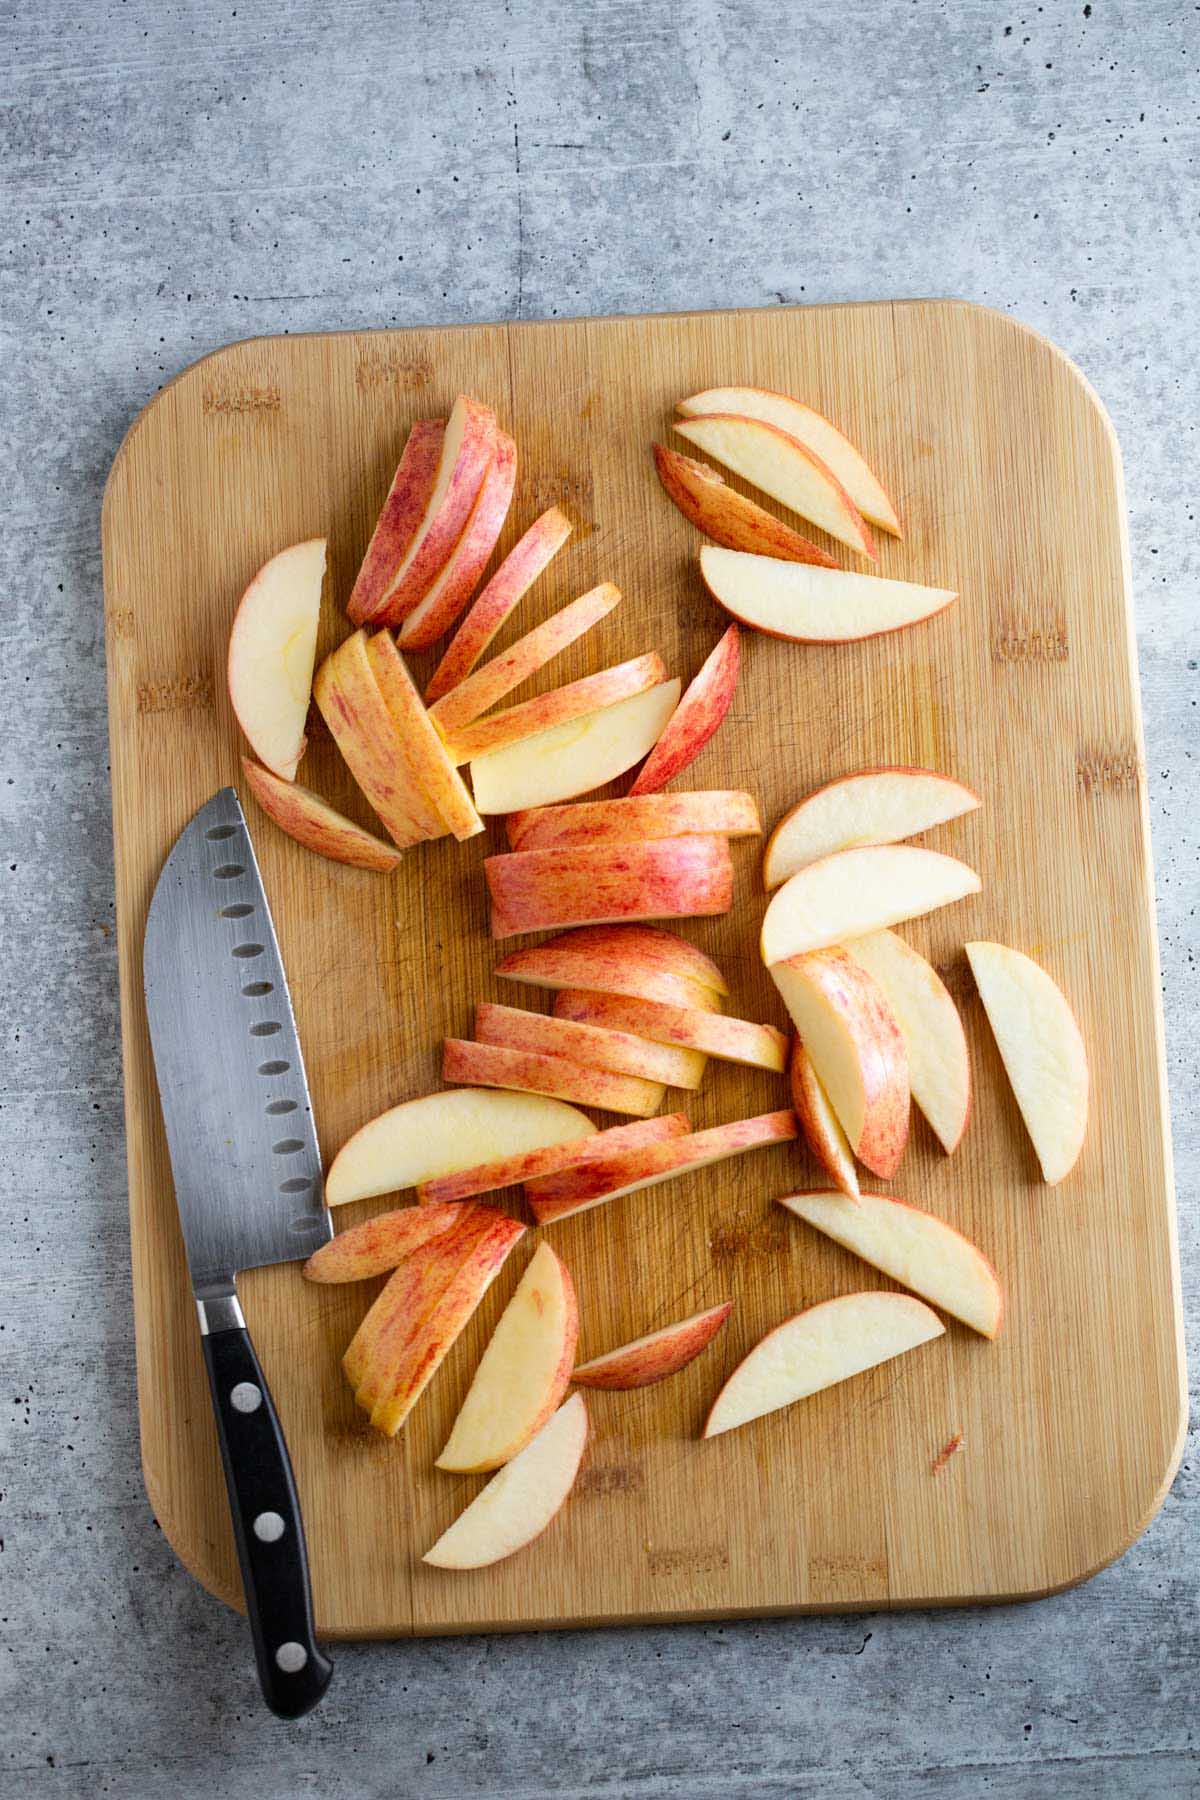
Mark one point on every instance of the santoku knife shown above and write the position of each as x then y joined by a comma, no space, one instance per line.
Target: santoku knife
248,1185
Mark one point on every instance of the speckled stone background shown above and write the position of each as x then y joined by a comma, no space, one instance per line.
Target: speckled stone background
173,176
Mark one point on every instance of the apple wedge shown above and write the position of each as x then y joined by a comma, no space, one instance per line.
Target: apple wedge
712,812
573,758
592,1046
857,1050
705,702
728,517
511,582
708,1033
1042,1049
608,960
874,806
818,1348
379,1244
272,647
939,1068
812,430
534,1072
655,1356
607,1177
560,706
914,1248
646,947
426,764
822,1128
380,760
667,878
521,1499
443,602
508,1171
442,1133
523,1373
786,469
402,516
814,606
315,824
857,891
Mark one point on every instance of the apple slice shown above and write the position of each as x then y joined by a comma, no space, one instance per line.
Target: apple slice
511,582
822,1129
857,891
378,1245
558,707
812,430
379,759
271,650
426,764
786,469
593,1047
712,812
857,1050
818,1348
699,713
655,1356
534,1072
646,946
575,757
728,517
607,1177
939,1067
874,806
523,1373
667,878
508,1171
452,589
914,1248
1042,1049
441,1133
315,824
709,1033
464,704
402,516
814,606
521,1499
609,960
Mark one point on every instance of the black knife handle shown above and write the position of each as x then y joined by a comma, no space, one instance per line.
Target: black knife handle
292,1670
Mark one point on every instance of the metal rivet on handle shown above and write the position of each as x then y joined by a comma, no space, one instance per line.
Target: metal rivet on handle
269,1528
245,1397
291,1658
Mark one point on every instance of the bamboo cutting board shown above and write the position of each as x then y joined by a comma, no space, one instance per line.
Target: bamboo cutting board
1006,474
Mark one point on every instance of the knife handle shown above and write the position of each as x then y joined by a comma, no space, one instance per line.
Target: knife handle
292,1670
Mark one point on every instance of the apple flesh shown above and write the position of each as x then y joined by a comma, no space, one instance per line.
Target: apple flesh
660,1353
572,758
558,707
667,878
426,764
822,1128
450,592
939,1067
701,710
712,812
534,1072
379,759
728,517
509,1170
783,467
594,1047
709,1033
315,824
272,647
857,891
521,1499
379,1244
915,1249
523,1373
511,582
608,960
874,806
1043,1052
401,519
814,606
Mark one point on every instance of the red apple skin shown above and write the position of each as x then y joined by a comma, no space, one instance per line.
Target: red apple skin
802,1078
667,878
688,1028
592,1046
435,614
699,713
556,964
315,824
591,694
655,1356
428,768
726,516
435,546
510,1170
646,946
403,511
350,702
378,1244
526,560
706,812
467,1064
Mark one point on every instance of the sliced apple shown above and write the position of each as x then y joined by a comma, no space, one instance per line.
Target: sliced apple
874,806
592,1046
508,1171
704,704
616,959
452,589
511,582
521,1499
560,706
703,813
939,1067
786,469
379,1244
315,824
728,517
271,650
857,1050
523,1373
623,1172
817,1349
710,1033
814,606
822,1128
426,763
646,946
575,757
404,512
534,1072
812,430
1042,1048
442,1133
379,759
857,891
667,878
914,1248
655,1356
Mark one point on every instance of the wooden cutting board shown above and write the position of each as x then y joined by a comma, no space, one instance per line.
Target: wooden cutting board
1007,476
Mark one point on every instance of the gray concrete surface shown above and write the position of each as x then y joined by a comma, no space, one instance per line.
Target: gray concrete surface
177,175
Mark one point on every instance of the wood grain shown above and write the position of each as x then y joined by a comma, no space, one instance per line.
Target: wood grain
1007,477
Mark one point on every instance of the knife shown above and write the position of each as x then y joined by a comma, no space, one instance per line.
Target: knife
248,1185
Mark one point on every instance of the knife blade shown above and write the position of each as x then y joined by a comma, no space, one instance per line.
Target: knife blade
248,1185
